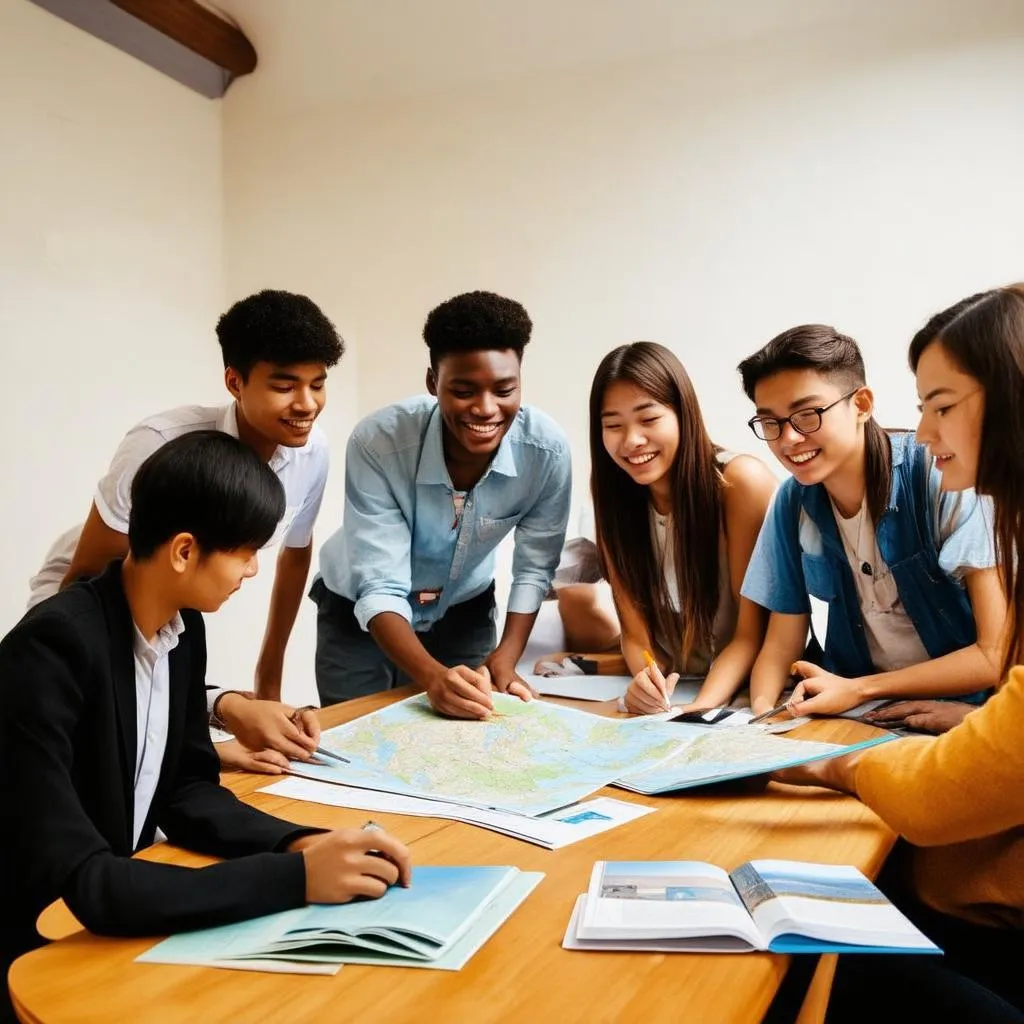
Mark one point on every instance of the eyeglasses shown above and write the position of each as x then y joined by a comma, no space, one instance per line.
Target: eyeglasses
803,421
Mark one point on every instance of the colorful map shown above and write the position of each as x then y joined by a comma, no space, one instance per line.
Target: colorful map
708,756
529,758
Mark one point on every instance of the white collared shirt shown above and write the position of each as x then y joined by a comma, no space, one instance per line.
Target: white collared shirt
152,708
302,472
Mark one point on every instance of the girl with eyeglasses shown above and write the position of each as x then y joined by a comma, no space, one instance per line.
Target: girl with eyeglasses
960,798
869,525
676,520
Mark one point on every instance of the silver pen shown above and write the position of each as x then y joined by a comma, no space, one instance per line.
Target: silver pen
785,705
324,752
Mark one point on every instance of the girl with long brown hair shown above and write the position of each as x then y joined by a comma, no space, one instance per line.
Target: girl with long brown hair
958,798
677,519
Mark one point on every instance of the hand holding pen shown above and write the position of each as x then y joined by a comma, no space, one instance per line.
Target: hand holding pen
650,691
350,863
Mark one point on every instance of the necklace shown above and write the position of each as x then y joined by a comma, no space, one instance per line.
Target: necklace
866,567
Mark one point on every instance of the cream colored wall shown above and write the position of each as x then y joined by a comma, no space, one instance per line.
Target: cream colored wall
707,201
110,268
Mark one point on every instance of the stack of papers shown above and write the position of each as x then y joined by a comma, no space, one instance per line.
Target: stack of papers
553,830
440,921
600,688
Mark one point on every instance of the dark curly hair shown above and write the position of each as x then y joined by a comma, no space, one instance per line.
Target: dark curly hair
476,321
277,327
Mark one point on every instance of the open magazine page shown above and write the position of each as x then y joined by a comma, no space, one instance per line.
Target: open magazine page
828,903
663,899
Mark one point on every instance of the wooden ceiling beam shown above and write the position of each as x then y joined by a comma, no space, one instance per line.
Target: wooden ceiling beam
198,29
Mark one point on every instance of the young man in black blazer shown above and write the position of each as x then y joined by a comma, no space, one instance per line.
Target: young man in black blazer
104,729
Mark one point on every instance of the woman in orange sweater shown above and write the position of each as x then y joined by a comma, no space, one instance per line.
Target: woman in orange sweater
958,798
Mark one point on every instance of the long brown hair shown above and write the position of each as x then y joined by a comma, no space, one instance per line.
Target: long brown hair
823,349
622,507
984,336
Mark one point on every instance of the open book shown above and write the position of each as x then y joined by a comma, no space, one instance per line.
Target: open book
782,906
440,921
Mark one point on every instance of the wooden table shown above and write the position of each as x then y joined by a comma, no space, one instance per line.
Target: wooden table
522,973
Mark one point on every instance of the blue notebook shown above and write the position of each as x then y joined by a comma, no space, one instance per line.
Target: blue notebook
440,921
778,906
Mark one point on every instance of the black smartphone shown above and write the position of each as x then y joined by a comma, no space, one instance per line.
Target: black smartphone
711,716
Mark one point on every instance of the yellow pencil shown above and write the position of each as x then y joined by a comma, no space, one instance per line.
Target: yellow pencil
651,663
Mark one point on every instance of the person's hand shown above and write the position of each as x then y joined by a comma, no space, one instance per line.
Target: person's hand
269,725
650,692
461,692
505,679
234,757
832,773
934,716
351,862
823,693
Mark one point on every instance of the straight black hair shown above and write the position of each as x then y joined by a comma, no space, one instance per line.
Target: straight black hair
836,356
209,484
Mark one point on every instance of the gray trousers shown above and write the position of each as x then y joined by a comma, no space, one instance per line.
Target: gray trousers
350,664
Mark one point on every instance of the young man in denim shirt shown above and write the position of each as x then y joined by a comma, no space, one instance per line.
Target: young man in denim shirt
432,485
907,568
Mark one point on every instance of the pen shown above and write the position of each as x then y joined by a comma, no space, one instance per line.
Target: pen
768,714
323,752
652,664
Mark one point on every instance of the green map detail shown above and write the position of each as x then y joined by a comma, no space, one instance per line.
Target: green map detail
529,757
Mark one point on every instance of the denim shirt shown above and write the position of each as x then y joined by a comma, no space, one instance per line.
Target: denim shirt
401,541
927,537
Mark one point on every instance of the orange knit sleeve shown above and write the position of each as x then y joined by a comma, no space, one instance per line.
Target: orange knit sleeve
959,786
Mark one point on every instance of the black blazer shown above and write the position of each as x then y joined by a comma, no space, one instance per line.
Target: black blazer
67,761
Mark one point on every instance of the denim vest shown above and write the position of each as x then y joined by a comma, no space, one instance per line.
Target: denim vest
937,605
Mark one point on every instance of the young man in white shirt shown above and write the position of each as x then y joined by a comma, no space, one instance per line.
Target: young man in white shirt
277,349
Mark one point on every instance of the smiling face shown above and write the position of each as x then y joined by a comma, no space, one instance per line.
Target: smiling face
278,404
952,411
837,444
640,434
479,394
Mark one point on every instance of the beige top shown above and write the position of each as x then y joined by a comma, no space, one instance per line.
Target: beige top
728,608
892,638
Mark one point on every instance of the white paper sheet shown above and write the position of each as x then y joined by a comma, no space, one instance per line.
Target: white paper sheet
555,830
